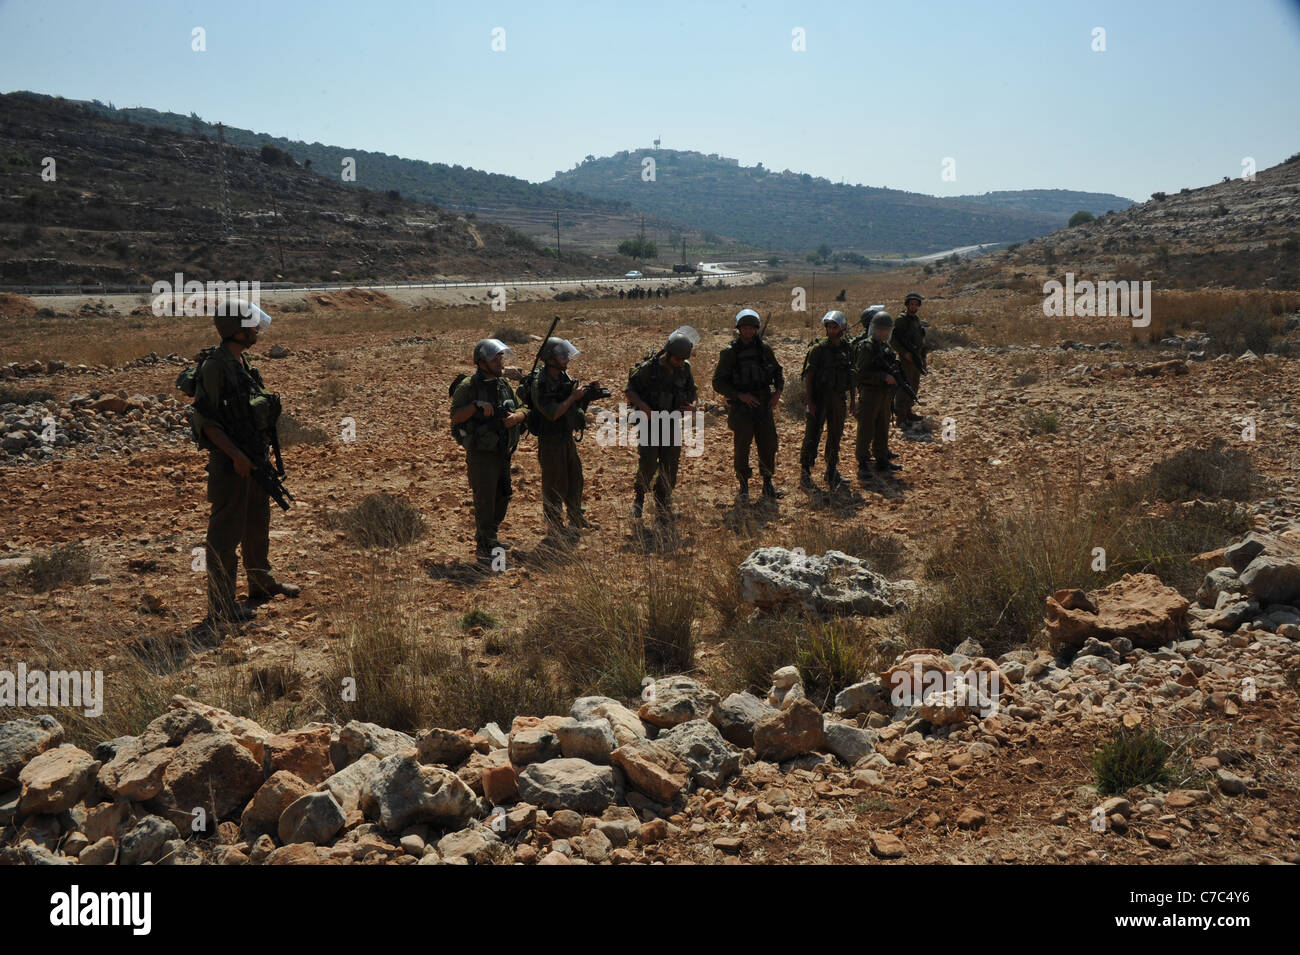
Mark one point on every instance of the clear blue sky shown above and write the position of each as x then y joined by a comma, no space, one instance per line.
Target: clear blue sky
883,93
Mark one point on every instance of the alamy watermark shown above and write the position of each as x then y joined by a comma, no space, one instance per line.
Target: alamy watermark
635,428
192,297
82,689
1101,299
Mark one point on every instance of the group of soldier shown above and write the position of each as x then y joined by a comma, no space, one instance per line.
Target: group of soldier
234,419
638,292
873,376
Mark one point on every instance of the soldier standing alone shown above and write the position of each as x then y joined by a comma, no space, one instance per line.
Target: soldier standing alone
234,418
750,378
827,381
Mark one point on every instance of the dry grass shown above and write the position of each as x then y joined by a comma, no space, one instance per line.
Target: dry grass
991,581
380,520
614,625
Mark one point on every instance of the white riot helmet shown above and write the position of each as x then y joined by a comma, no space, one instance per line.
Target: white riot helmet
835,318
489,348
560,348
747,316
682,342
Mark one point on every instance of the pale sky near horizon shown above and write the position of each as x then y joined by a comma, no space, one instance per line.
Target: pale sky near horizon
882,94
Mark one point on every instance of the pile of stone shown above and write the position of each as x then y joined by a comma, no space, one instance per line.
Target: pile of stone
32,369
110,422
611,783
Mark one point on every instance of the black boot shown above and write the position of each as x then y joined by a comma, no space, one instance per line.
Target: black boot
744,490
833,480
805,479
884,464
638,504
769,489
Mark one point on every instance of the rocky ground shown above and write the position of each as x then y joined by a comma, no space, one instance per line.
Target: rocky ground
693,775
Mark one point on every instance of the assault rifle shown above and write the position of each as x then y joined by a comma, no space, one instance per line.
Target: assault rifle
896,369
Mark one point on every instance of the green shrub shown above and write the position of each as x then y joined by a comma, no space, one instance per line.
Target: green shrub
1131,758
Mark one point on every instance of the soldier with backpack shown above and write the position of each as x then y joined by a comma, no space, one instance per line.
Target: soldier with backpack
233,418
485,420
557,414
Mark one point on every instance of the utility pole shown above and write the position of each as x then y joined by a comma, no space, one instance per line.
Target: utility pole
557,236
641,238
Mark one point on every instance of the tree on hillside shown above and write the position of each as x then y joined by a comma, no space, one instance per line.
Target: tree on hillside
638,248
821,256
1080,217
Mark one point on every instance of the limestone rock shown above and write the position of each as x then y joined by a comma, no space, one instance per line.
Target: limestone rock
787,733
652,769
701,747
736,717
1137,607
56,780
568,784
676,699
834,583
402,792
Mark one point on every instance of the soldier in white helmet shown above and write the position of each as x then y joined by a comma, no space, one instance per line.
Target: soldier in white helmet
485,421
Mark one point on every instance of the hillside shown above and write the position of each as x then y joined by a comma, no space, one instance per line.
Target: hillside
787,210
587,223
1061,203
133,203
1232,234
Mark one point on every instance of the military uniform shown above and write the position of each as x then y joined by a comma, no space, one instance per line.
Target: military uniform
831,370
229,395
557,449
750,369
488,446
663,390
872,364
908,338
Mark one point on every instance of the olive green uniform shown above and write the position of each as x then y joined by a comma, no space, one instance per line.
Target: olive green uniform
750,369
831,370
908,339
871,365
557,449
488,446
659,455
229,395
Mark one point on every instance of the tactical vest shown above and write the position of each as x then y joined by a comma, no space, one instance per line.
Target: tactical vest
909,334
667,391
481,433
874,356
752,372
834,372
545,389
247,412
